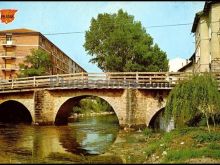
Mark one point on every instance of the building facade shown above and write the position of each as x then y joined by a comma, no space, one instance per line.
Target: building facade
206,28
16,44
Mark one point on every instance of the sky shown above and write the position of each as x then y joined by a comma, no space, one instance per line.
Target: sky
49,17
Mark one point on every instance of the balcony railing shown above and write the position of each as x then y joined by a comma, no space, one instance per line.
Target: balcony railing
8,43
9,67
8,55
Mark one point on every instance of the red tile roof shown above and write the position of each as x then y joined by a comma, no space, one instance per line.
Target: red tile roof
22,30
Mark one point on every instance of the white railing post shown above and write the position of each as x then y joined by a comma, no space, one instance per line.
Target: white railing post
168,79
137,77
34,81
57,80
82,74
82,79
12,83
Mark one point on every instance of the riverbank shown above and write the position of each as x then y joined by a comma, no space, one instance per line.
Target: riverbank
189,145
186,146
74,116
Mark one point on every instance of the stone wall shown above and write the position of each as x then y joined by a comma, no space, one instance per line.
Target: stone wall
133,107
44,108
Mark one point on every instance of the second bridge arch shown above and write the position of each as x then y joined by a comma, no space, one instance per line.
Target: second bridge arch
70,106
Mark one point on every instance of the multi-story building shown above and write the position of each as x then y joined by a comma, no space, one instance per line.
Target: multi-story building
206,28
16,44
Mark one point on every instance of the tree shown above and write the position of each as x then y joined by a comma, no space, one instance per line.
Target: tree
192,98
92,104
36,64
118,43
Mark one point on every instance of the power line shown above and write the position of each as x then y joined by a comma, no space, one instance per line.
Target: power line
170,25
146,27
62,33
155,26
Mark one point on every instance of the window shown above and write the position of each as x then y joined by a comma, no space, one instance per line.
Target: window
8,39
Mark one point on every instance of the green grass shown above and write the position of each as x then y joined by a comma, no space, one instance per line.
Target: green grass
176,156
214,146
147,132
207,137
152,148
198,143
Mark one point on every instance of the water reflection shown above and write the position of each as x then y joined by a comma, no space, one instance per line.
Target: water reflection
33,144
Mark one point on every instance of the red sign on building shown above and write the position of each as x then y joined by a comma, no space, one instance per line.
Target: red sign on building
7,15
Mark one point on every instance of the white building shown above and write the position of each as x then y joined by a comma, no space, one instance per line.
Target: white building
176,63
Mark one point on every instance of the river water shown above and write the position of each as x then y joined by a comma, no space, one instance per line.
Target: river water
46,144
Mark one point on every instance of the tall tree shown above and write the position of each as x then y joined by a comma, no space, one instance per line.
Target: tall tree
118,43
38,63
192,98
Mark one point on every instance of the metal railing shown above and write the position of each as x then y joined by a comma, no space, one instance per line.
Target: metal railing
138,80
8,43
8,55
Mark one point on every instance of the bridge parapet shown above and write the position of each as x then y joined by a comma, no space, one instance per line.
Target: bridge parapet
135,80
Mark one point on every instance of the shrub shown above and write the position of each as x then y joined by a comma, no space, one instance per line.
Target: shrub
147,132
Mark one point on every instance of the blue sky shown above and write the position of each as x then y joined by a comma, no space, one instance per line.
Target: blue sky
74,16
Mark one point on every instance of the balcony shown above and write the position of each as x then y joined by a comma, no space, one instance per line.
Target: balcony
10,43
9,67
8,55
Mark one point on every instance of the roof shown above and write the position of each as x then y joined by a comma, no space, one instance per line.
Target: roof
208,5
199,14
185,66
192,57
196,20
18,31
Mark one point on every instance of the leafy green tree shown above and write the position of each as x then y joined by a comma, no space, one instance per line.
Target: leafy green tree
36,64
193,98
118,43
92,104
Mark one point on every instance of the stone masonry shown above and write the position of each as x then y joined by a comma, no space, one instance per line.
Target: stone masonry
133,107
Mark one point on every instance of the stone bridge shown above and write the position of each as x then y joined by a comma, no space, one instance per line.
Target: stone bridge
133,107
134,97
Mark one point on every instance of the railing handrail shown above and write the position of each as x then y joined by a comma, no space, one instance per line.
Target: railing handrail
98,80
4,41
8,54
11,65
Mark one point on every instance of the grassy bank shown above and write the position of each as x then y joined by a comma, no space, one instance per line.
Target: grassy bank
189,145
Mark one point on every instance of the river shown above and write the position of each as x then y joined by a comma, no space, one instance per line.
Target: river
87,136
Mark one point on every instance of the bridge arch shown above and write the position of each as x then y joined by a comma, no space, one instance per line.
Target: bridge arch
13,111
157,122
63,112
154,113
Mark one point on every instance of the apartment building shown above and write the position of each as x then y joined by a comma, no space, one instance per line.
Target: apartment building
206,28
16,44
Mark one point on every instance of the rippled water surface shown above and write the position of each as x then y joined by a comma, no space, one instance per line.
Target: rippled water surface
51,144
